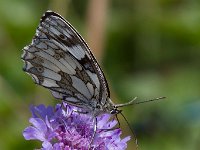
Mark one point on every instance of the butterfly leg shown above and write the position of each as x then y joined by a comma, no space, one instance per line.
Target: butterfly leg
62,104
80,112
117,120
94,133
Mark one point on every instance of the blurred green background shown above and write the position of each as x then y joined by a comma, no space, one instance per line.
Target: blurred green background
148,48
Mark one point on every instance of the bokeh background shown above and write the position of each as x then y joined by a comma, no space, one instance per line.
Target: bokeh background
147,48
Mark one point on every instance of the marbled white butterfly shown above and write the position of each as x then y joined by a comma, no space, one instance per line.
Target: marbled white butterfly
59,59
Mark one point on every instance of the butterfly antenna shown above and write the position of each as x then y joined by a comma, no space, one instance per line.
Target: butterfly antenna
133,102
134,135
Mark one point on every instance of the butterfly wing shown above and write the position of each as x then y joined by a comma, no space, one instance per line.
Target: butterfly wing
59,59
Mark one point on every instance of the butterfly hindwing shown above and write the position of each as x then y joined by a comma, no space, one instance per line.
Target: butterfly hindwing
60,60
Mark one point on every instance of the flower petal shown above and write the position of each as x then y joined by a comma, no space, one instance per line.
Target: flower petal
126,139
39,124
32,133
47,145
41,111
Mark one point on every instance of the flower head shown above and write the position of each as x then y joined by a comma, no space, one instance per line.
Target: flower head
64,128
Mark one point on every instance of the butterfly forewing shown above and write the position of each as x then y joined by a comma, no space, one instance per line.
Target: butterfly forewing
59,59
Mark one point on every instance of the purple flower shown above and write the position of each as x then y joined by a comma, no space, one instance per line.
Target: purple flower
64,128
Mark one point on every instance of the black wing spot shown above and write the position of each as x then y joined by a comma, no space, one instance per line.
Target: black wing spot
87,65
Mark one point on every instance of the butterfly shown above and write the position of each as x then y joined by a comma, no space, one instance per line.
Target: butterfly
59,59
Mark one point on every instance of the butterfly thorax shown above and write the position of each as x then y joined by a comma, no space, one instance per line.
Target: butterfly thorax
107,107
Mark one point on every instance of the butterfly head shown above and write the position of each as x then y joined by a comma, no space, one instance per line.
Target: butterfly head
111,108
115,111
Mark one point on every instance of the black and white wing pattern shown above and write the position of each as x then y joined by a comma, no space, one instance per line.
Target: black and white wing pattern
59,59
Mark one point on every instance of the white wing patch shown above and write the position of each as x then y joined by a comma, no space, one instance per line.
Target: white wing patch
94,78
49,83
81,87
41,45
90,88
51,74
77,52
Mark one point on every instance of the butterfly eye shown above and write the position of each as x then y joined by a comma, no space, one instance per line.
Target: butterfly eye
115,111
98,106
